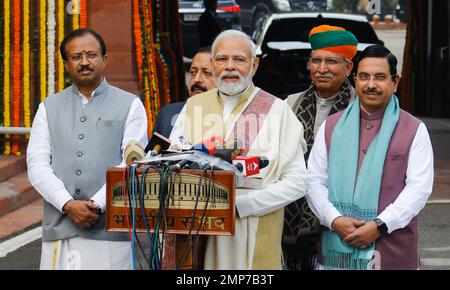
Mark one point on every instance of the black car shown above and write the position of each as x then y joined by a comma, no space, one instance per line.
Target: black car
228,13
254,11
284,49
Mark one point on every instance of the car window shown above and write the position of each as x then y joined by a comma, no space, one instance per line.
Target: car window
297,29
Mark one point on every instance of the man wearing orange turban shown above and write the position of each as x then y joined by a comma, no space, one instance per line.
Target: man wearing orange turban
333,49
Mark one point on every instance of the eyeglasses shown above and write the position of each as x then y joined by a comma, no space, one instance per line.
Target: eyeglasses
90,56
380,77
237,59
329,61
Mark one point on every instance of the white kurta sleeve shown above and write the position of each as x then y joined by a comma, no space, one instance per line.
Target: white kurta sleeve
40,172
317,184
290,187
177,134
419,184
291,183
135,129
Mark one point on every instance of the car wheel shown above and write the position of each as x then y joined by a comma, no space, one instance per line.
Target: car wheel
258,18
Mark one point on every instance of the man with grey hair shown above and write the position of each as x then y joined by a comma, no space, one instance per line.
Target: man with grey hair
330,92
266,126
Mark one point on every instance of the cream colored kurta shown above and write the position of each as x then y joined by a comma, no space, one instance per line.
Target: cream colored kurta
257,240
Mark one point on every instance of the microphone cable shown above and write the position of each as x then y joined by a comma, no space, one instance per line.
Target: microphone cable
187,248
207,198
144,215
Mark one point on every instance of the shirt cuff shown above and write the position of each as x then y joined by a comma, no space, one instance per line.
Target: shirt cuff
60,199
100,198
388,220
243,206
330,215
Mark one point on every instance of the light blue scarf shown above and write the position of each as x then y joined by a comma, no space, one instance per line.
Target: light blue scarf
360,201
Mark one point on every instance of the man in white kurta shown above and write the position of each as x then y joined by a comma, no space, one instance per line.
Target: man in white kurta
76,134
405,174
267,127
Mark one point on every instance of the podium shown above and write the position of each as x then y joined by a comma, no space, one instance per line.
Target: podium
192,203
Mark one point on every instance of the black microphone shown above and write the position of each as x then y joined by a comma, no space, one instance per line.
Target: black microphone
231,150
180,164
157,143
205,147
263,162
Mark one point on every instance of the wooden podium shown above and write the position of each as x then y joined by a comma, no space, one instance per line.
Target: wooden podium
185,192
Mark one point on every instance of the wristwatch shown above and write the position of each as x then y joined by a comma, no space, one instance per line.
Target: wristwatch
381,226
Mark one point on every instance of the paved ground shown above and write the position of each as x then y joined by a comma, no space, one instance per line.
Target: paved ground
434,243
434,239
439,130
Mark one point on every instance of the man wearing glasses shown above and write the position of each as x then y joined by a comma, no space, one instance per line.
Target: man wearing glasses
330,65
370,172
266,126
77,133
201,80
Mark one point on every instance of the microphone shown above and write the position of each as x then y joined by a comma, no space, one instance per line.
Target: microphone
230,151
250,165
179,165
157,143
133,152
207,146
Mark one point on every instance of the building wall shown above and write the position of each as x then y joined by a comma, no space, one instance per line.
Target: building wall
112,19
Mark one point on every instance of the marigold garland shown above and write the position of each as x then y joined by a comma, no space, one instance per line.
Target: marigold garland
6,70
75,14
42,50
83,15
139,58
16,75
162,63
16,61
148,58
2,76
156,58
26,64
29,30
51,23
157,61
61,9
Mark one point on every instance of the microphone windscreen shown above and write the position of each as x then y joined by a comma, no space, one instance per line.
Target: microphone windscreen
263,162
133,152
157,139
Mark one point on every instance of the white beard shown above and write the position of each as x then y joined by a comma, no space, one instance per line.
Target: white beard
232,88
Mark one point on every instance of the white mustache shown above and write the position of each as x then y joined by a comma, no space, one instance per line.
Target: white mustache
327,75
228,75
